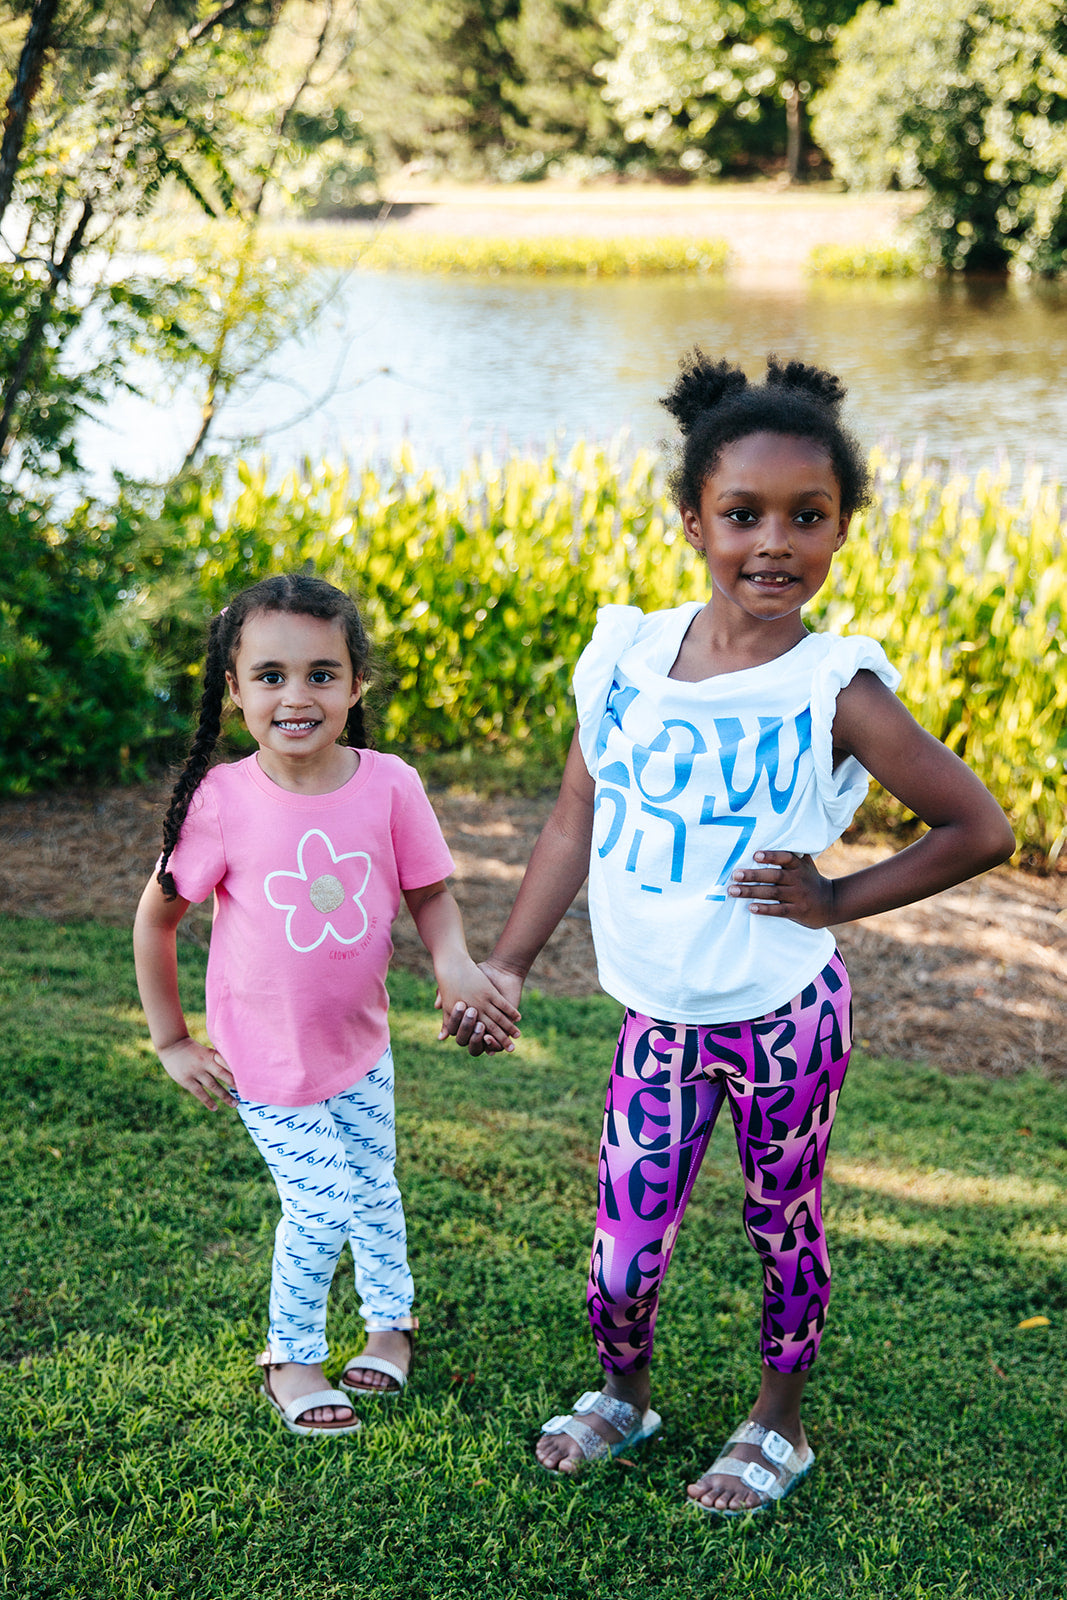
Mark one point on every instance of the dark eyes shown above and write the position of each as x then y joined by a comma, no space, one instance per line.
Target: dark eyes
745,517
272,679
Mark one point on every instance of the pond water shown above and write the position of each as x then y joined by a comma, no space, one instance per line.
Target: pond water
965,371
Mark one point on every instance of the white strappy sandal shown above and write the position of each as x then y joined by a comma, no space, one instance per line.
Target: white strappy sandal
291,1414
634,1425
379,1364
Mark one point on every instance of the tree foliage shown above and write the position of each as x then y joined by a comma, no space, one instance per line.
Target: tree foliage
109,103
966,99
498,87
702,83
112,105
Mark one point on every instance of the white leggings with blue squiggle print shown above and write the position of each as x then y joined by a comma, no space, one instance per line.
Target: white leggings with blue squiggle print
333,1165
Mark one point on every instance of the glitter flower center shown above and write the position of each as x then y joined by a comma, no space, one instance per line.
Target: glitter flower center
327,893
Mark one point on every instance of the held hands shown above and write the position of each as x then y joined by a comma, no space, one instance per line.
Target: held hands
201,1071
479,1006
785,884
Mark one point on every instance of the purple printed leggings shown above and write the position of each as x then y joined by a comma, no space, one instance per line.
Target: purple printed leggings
782,1074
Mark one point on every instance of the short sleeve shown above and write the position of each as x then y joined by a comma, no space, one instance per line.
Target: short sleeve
842,791
422,856
198,863
616,629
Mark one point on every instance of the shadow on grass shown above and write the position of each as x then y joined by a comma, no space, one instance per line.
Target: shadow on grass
138,1458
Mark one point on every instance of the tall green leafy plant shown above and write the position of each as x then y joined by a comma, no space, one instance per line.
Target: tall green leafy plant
482,593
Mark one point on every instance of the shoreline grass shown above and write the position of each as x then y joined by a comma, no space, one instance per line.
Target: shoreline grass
138,1458
869,261
545,255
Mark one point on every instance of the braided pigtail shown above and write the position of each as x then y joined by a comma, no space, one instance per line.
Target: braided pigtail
715,406
356,726
203,746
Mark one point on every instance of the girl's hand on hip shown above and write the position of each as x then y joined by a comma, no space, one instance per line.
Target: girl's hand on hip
201,1071
785,884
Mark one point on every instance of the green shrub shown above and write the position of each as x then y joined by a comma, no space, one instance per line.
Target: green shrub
967,100
83,698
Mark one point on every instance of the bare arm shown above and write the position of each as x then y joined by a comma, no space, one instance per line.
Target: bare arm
465,991
195,1067
968,831
559,865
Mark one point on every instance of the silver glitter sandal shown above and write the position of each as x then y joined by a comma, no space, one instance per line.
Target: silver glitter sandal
631,1423
789,1467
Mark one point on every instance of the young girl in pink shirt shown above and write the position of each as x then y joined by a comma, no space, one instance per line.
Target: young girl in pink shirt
307,846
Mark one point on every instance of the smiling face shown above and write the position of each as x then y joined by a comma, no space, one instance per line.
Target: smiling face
292,679
768,525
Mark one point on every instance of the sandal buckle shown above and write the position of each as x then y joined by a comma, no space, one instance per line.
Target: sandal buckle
775,1448
762,1479
554,1424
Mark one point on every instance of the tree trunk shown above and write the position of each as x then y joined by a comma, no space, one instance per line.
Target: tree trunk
794,122
20,372
26,84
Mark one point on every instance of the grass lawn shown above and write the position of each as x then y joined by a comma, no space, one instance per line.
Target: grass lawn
137,1458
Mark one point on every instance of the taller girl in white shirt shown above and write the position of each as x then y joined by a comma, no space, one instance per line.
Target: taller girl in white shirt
720,747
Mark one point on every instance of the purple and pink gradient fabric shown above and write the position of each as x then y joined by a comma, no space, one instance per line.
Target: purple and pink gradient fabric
782,1075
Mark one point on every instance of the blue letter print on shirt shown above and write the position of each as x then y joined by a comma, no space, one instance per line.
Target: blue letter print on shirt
681,743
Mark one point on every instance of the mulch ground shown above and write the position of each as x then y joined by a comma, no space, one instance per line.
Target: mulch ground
972,980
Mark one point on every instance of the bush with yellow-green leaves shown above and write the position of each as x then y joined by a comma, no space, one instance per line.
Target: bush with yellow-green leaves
483,591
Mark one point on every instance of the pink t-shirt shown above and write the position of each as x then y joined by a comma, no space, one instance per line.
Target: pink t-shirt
306,888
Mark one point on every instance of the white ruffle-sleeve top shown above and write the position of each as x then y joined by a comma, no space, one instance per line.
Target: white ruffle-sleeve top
690,780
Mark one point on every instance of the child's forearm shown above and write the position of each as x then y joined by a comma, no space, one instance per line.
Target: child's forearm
156,963
193,1066
559,865
468,997
440,927
941,858
968,831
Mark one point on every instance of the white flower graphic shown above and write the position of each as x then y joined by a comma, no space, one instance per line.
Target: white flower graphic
322,898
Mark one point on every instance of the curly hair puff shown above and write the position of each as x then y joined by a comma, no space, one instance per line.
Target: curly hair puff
714,405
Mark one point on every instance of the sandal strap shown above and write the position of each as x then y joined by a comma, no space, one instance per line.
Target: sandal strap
378,1364
762,1479
618,1414
773,1446
592,1444
308,1402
